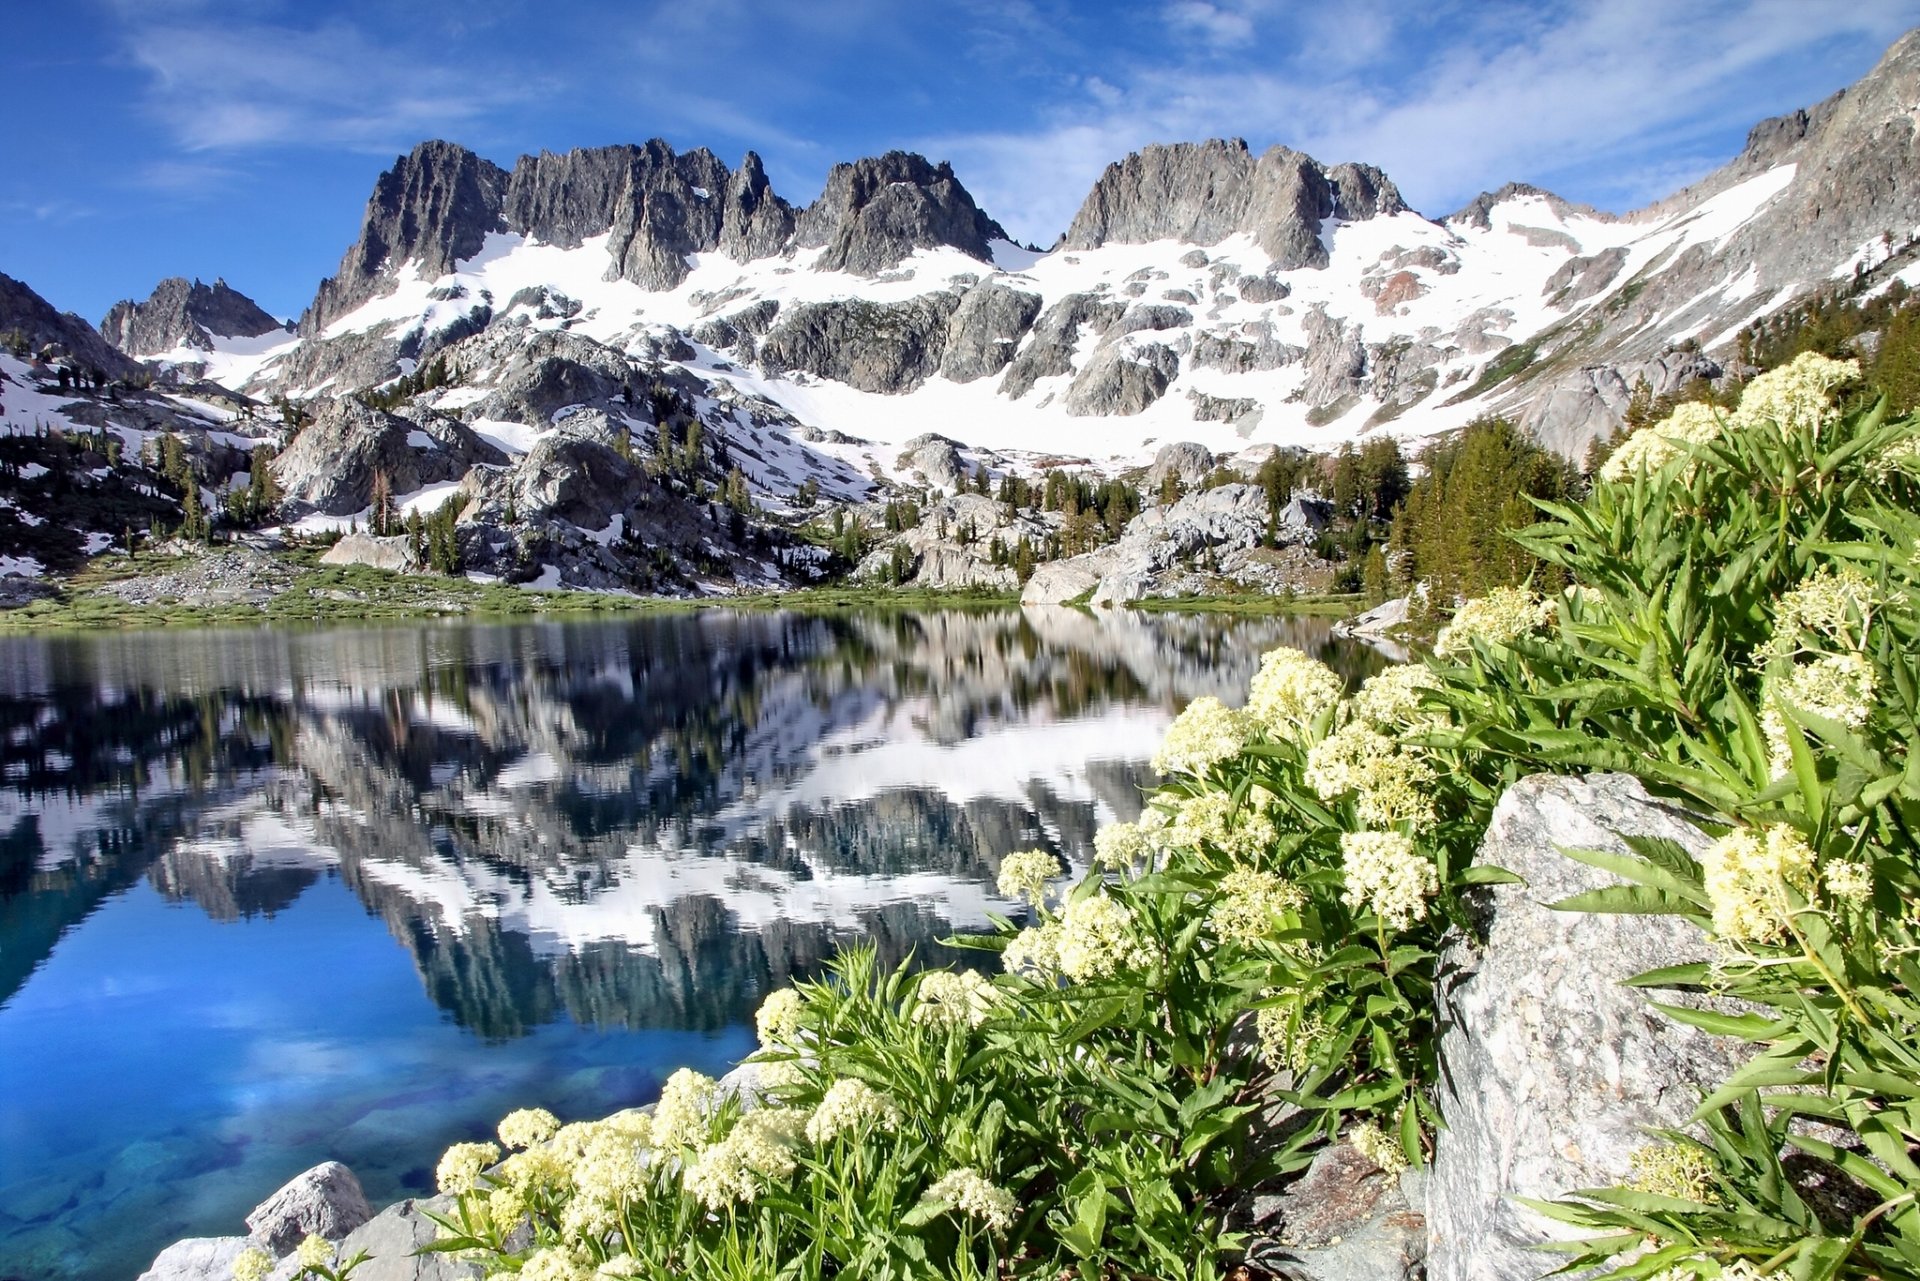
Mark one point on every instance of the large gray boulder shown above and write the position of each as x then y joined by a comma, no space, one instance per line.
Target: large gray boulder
197,1259
1183,458
1344,1219
986,327
394,553
936,459
878,347
1336,359
1049,352
331,465
391,1239
1122,379
324,1201
1550,1069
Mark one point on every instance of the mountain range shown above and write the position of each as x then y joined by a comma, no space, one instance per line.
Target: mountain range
585,348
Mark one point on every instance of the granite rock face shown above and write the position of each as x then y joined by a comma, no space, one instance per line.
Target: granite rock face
1344,1219
325,1201
330,466
878,347
36,320
1549,1068
1048,353
985,330
876,211
184,313
1204,192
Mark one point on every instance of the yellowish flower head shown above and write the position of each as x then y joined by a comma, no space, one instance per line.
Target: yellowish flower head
1387,876
1678,1170
611,1169
1390,701
1848,882
975,1197
555,1264
1747,874
1210,820
686,1103
1797,395
315,1251
1096,940
1500,617
1024,875
1034,951
1377,1146
1657,444
946,998
1288,1035
1833,604
1120,847
758,1150
1202,736
1390,783
462,1165
527,1127
1834,687
1289,691
778,1018
253,1264
1251,903
851,1107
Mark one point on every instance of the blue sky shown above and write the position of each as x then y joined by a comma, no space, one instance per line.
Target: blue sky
240,138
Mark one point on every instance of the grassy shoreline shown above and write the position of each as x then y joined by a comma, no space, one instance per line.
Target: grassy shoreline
337,595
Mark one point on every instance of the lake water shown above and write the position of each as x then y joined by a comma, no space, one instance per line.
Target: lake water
270,898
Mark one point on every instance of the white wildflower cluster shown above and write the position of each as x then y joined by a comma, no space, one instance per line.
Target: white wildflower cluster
253,1264
758,1150
314,1251
1678,1170
1202,736
527,1127
1848,882
1391,783
681,1116
1387,876
1092,938
778,1019
1900,456
1391,699
1835,605
1289,691
555,1264
1748,873
1288,1035
462,1165
948,999
1798,395
1834,687
1656,445
1501,616
1120,847
1024,875
1379,1147
1249,902
851,1106
1211,820
967,1192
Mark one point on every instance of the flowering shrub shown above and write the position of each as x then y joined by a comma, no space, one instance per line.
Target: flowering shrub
1741,632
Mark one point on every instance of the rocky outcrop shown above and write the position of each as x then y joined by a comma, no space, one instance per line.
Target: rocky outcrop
61,335
875,212
879,347
936,460
952,546
986,329
184,313
436,207
1252,347
325,1201
1336,360
1189,461
395,554
1202,193
330,466
1550,1069
1588,404
1344,1219
1121,379
1049,352
754,223
1584,276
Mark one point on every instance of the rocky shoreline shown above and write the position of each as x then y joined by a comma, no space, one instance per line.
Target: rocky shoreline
1552,1072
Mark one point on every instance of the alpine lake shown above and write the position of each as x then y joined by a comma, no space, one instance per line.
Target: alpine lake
274,897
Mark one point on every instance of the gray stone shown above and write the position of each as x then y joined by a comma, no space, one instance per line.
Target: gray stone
324,1201
331,465
1582,277
197,1259
878,347
393,553
1336,360
878,210
1253,347
1382,620
1344,1219
391,1238
986,329
1220,409
1550,1069
936,459
1262,289
1049,352
1189,461
1122,379
34,318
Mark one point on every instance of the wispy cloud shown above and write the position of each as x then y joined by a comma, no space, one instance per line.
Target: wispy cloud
1447,102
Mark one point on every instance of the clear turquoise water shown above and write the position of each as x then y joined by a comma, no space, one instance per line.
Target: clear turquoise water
273,898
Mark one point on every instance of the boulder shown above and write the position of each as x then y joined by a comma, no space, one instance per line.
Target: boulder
1189,461
390,1239
324,1201
331,465
394,553
936,458
986,327
197,1259
1344,1219
1381,620
1122,379
1550,1069
1049,352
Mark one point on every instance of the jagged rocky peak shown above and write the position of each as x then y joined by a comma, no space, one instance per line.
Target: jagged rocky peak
35,319
875,212
1202,192
436,206
1478,212
184,313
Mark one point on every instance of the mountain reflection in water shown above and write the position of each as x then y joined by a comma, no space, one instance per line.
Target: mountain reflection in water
634,826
